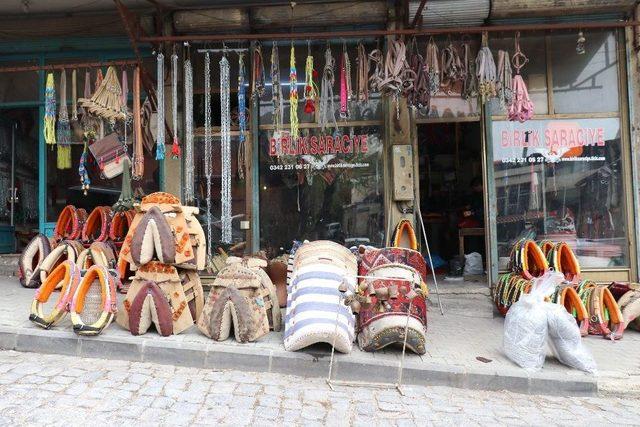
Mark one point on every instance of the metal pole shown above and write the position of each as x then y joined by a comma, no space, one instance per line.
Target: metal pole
397,32
13,192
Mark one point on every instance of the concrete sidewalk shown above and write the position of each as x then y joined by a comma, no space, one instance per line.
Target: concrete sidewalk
468,331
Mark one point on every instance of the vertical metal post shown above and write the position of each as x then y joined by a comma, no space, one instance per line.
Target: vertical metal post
12,190
490,200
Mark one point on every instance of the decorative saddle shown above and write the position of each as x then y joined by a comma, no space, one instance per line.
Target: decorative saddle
322,278
244,297
70,223
93,306
392,308
165,230
96,227
65,276
159,295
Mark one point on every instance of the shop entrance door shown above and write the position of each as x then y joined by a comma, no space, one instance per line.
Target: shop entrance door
7,186
452,186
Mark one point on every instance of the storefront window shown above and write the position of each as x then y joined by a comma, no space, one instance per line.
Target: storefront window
562,180
586,83
322,188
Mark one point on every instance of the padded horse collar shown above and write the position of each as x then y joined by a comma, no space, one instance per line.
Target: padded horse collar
561,258
70,223
404,236
95,276
66,250
605,317
528,260
32,256
99,253
97,226
568,297
120,224
67,276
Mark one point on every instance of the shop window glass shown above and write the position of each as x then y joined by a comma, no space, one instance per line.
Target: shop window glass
534,72
335,196
19,86
562,180
585,83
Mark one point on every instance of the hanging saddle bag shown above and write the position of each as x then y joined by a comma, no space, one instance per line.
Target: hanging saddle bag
109,153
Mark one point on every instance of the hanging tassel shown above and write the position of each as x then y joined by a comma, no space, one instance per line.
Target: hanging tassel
293,93
63,129
175,148
160,116
82,168
50,111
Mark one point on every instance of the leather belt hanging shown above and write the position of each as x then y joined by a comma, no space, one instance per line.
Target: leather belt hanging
521,108
470,83
138,153
450,67
432,67
258,73
362,75
418,96
486,71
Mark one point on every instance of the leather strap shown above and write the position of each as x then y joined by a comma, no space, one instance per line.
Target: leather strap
362,75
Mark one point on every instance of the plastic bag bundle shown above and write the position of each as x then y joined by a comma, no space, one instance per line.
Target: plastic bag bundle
525,332
473,264
565,340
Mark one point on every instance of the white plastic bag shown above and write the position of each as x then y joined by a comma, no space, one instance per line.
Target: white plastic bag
473,264
525,326
565,340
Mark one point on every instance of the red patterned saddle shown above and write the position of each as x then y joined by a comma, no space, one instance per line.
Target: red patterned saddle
375,257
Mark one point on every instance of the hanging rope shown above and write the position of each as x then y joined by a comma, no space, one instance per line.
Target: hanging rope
175,148
63,129
225,132
293,93
258,73
470,84
276,96
189,171
521,108
432,67
138,153
242,115
504,86
327,105
418,96
486,70
208,161
362,75
310,87
49,127
160,138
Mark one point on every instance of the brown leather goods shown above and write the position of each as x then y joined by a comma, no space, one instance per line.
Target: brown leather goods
93,306
277,271
65,276
166,278
109,153
66,250
404,236
69,224
97,226
31,258
618,289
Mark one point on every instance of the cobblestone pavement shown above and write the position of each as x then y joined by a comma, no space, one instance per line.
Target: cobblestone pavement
64,390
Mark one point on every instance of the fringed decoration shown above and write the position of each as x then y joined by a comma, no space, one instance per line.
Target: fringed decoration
276,87
160,138
327,105
225,134
242,115
175,148
137,170
293,93
63,129
310,88
50,111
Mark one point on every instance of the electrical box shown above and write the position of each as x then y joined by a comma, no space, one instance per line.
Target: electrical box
402,173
